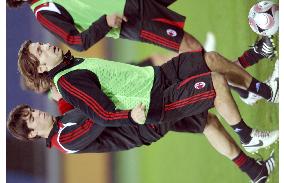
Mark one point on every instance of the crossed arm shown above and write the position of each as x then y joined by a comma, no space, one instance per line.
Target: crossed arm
82,90
63,27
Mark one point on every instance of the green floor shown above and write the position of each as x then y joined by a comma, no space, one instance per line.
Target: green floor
188,158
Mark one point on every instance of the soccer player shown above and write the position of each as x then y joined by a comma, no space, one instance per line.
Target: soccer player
73,132
82,23
146,21
273,81
111,93
263,48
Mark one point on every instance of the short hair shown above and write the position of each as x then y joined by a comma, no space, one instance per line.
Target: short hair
15,3
17,123
27,66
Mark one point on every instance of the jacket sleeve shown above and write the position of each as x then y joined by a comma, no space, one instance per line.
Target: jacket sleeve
81,89
77,136
63,27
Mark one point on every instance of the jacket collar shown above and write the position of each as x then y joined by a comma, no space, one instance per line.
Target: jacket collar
33,1
68,61
53,131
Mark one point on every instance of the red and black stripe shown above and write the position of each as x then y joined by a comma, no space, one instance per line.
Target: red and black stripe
243,61
71,39
91,102
159,40
190,100
179,25
77,133
241,159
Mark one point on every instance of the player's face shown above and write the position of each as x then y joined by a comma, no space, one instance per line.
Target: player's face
48,56
39,121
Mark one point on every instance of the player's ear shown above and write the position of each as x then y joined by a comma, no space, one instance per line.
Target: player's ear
32,134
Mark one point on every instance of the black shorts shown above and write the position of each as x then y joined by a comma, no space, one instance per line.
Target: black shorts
152,22
191,124
188,86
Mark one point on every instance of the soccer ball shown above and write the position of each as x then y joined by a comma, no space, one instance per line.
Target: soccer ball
263,18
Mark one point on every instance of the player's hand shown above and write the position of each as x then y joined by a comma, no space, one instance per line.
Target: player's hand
115,20
55,95
138,114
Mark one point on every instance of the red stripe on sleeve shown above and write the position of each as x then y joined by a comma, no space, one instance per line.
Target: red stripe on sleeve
75,134
60,32
92,103
89,100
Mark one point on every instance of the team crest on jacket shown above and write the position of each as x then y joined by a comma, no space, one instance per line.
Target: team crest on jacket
171,32
199,85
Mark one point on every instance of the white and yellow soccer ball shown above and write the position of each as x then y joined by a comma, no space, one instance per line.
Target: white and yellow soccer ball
264,18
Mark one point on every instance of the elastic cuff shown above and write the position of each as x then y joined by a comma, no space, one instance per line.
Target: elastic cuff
104,19
243,62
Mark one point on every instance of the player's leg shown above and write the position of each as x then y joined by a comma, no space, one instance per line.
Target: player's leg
248,97
263,48
210,126
189,43
224,102
191,89
273,82
227,108
225,145
154,23
237,76
215,133
249,88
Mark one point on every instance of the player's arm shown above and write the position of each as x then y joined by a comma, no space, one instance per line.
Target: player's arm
76,136
61,25
81,89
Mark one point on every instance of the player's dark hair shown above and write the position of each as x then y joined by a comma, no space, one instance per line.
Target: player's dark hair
15,3
27,66
17,124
